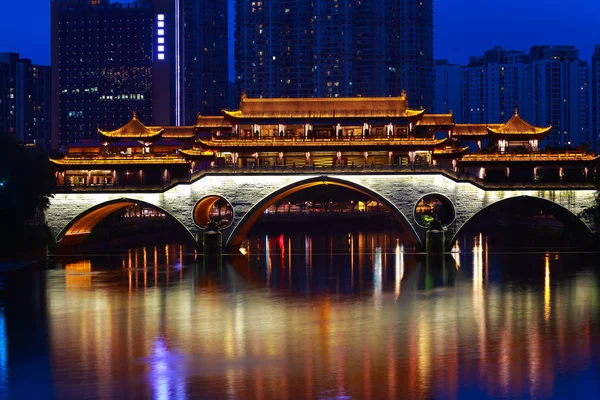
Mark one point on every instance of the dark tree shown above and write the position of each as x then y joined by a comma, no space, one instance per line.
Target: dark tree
26,186
593,212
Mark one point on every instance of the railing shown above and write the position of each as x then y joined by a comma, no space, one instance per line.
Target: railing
338,170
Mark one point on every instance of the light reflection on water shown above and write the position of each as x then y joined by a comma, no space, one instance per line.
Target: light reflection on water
316,316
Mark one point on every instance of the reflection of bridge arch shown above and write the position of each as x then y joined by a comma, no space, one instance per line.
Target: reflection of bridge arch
77,230
237,236
565,216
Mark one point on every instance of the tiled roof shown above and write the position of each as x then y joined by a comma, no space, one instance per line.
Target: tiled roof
330,107
134,129
519,127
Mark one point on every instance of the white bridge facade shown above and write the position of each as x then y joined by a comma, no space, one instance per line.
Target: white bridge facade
250,193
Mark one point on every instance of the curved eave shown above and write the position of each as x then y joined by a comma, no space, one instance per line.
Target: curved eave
234,116
269,145
179,132
168,135
437,121
231,116
117,135
528,158
454,152
533,134
112,162
414,113
190,153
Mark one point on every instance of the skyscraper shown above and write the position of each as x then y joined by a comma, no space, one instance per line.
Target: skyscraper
24,100
323,48
416,51
205,60
104,66
595,101
448,89
165,59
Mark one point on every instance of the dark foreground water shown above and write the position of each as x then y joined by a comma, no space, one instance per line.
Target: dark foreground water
304,316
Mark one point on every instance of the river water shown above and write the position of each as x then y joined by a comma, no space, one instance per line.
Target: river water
343,316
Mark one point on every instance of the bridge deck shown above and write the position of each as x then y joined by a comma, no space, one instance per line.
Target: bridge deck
360,170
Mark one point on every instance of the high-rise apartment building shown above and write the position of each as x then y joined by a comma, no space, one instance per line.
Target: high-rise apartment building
504,84
324,48
494,85
549,86
448,89
473,92
24,100
595,99
560,94
165,59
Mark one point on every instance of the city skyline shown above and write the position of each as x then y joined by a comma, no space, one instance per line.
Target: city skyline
462,28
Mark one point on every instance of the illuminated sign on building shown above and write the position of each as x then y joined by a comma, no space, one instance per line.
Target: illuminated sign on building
160,34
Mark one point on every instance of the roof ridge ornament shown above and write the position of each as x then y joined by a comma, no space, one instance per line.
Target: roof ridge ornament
134,114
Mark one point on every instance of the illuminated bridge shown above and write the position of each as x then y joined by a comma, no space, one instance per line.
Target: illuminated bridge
71,216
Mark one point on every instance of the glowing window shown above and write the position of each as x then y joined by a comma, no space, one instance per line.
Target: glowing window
161,24
161,40
161,56
161,32
161,17
161,48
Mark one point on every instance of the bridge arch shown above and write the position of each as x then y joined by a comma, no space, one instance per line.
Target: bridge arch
201,211
565,216
238,234
77,230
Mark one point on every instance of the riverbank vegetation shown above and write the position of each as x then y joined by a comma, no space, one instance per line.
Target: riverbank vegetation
26,186
592,213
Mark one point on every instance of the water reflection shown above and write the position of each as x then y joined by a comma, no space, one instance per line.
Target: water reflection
316,316
399,267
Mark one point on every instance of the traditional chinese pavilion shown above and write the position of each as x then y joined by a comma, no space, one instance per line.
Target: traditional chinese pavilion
318,133
513,153
326,132
134,154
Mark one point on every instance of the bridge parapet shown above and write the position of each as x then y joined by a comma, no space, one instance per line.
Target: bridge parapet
359,170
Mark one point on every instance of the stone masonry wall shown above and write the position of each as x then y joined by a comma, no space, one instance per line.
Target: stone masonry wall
245,191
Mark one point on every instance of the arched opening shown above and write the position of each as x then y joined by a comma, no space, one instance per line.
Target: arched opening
213,208
121,217
434,206
243,228
526,222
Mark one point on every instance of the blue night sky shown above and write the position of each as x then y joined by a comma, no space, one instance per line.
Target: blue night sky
462,27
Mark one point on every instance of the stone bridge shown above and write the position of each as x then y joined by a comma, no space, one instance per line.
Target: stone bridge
71,216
